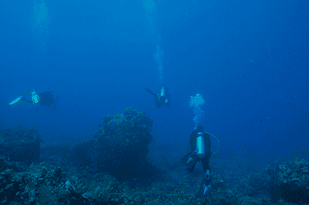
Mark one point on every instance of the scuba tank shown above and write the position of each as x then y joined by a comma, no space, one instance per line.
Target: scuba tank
162,93
200,145
34,97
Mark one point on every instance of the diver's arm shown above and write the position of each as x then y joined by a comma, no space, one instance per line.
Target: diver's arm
149,91
193,141
207,142
158,104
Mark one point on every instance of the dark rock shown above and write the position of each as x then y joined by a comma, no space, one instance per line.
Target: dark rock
289,181
120,146
20,144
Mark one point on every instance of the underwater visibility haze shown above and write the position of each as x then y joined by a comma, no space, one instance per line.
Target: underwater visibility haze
79,72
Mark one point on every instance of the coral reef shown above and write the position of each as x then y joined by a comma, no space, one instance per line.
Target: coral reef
20,144
289,181
115,168
42,184
45,183
120,146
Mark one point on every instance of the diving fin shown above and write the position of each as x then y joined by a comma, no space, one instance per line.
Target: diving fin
205,189
16,100
190,159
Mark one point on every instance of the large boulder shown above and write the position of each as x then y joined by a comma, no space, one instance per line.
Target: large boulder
20,144
120,146
289,181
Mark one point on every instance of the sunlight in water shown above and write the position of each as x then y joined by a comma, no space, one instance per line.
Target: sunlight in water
40,17
40,24
158,56
150,10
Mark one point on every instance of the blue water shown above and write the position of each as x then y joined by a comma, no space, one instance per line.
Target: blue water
248,59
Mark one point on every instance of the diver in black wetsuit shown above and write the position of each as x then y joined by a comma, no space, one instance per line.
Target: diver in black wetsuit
200,151
46,99
162,97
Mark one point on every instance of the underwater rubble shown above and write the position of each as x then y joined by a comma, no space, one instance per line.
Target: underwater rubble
20,144
290,181
92,172
44,183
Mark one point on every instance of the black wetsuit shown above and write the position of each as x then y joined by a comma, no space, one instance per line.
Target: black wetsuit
160,100
46,99
192,158
205,160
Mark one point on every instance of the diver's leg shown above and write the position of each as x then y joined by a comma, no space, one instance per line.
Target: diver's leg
168,104
157,103
27,100
206,170
205,162
205,188
191,169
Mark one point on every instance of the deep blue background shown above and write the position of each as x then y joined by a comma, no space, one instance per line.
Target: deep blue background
248,59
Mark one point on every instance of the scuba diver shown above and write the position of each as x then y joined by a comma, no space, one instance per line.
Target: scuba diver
200,151
46,99
163,97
